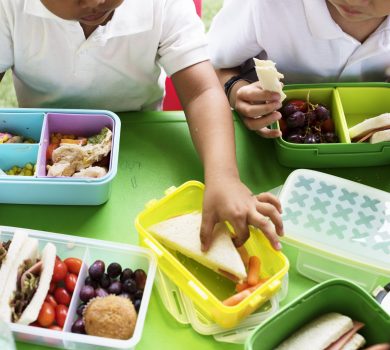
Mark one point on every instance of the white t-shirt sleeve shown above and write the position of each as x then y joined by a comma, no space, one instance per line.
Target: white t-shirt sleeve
183,41
234,34
6,46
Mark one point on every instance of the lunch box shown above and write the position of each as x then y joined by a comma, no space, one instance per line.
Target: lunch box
349,104
335,295
341,228
89,250
204,287
39,188
185,311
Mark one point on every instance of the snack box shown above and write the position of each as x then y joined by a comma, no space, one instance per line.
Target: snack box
336,295
89,250
341,228
184,311
39,188
349,104
204,287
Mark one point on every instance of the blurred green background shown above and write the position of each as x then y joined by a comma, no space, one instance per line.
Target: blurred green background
7,91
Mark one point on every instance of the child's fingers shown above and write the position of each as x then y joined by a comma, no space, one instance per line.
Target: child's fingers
269,133
241,230
269,210
259,123
253,93
255,111
268,197
267,227
206,231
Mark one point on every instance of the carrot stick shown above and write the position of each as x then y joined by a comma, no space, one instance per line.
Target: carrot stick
237,298
253,270
259,284
241,286
244,255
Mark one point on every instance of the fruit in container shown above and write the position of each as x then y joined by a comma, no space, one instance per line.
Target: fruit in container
305,122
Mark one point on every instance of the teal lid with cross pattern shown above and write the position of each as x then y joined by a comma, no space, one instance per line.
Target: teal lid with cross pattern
338,217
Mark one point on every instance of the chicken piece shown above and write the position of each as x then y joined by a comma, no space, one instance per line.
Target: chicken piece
92,172
70,158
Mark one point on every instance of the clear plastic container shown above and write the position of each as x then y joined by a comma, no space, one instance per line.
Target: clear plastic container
183,310
40,188
341,228
88,250
203,286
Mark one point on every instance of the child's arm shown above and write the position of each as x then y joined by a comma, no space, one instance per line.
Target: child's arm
211,126
257,107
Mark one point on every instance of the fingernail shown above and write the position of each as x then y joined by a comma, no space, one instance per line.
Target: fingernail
275,96
278,246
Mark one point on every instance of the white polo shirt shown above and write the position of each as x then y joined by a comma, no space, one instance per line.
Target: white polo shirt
117,68
301,37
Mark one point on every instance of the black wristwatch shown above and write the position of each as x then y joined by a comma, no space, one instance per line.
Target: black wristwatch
231,82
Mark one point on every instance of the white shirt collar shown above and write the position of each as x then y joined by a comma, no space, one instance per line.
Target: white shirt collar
131,17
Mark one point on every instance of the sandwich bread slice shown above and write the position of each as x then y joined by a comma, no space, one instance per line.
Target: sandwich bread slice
8,250
332,331
269,77
181,233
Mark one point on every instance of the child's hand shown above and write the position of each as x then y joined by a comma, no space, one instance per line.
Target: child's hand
230,200
258,109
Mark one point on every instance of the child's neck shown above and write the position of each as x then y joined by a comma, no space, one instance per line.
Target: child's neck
359,30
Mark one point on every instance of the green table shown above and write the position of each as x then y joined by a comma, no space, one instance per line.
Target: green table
156,152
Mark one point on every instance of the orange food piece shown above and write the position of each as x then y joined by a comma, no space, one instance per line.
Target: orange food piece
253,270
244,255
237,298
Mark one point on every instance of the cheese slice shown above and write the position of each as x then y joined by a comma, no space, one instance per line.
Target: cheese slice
181,233
269,77
380,136
368,125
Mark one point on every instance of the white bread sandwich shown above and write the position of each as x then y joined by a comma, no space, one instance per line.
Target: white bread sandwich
8,250
28,283
181,233
269,77
332,331
376,129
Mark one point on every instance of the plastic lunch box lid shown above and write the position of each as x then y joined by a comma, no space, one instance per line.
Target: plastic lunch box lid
338,217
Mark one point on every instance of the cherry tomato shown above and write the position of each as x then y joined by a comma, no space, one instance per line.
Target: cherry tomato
46,315
54,327
52,287
50,299
61,313
300,104
282,126
62,296
327,126
60,271
73,264
70,282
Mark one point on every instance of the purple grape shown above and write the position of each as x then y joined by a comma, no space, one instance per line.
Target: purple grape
288,109
87,293
114,270
317,137
115,288
80,309
295,138
138,294
331,137
140,278
96,270
78,326
90,282
137,304
310,138
126,274
125,295
105,281
100,292
129,286
322,113
296,120
311,117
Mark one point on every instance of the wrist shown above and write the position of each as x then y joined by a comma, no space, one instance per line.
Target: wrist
232,85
